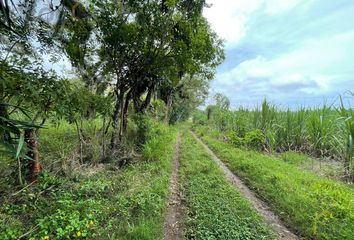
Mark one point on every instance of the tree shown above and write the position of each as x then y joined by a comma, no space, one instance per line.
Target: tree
222,101
219,112
26,90
135,50
191,93
152,45
25,37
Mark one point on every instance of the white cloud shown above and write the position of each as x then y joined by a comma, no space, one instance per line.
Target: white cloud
309,69
229,17
286,50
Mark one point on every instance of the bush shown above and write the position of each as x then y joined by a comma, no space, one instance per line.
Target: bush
255,139
200,130
144,127
200,118
158,109
96,203
235,139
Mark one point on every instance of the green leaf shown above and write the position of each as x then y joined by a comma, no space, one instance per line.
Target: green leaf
21,124
11,129
20,145
19,108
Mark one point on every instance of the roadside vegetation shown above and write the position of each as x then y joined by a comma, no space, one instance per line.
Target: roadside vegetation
315,207
127,60
215,209
325,133
96,203
299,161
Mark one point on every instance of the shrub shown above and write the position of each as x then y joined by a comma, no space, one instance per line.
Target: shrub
200,118
143,124
254,139
235,139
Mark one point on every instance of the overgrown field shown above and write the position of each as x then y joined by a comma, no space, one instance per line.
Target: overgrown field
103,202
215,209
326,132
315,207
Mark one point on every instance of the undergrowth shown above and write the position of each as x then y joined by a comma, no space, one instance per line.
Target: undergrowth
110,203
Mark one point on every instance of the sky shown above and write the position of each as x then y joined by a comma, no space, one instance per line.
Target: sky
291,52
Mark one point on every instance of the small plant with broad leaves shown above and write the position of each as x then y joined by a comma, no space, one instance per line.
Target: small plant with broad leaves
235,139
255,139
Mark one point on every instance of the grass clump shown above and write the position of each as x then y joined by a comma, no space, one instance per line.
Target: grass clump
317,208
215,209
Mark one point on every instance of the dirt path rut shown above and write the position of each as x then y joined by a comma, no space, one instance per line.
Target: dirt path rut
261,207
172,227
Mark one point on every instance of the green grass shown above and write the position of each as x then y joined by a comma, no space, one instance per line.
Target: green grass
215,209
321,167
295,158
57,145
107,204
316,207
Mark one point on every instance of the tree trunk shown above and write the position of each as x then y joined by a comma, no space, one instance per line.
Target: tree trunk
103,135
34,167
115,118
125,114
4,135
168,106
147,101
91,85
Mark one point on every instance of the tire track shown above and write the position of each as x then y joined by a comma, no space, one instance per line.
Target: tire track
172,227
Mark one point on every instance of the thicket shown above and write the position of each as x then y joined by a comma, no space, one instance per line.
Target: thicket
105,202
131,61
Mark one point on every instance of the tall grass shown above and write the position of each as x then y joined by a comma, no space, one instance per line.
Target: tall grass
327,131
347,143
320,128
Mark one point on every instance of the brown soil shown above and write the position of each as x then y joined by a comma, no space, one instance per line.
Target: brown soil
281,231
175,212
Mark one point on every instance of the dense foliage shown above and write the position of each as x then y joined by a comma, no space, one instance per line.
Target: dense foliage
124,56
95,203
132,64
